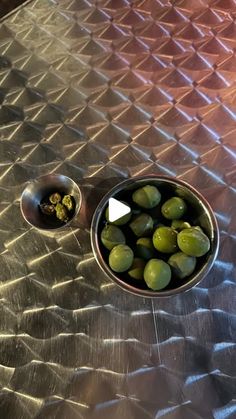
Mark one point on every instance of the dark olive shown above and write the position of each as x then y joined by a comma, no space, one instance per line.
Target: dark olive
145,248
182,265
137,268
142,225
111,236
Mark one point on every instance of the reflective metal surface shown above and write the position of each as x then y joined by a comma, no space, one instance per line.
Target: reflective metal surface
102,91
201,212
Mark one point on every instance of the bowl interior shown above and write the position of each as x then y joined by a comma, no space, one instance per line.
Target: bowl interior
199,213
41,188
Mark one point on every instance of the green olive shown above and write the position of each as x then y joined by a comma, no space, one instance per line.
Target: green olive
193,242
180,225
165,240
68,202
112,236
157,274
147,197
137,268
121,258
61,212
182,265
142,225
174,208
145,248
122,220
55,198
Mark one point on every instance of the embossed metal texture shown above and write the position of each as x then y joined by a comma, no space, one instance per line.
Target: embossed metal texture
101,91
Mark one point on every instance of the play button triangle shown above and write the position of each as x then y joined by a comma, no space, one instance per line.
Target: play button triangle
117,209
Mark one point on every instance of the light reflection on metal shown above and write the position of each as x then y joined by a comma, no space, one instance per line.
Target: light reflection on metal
100,92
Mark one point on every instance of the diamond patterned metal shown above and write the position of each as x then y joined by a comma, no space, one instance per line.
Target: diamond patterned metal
101,91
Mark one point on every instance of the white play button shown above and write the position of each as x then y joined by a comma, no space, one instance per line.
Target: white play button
117,209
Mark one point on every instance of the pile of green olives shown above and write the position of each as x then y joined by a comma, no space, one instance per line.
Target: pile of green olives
156,244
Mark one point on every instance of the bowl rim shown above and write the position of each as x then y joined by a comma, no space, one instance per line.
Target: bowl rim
42,178
128,287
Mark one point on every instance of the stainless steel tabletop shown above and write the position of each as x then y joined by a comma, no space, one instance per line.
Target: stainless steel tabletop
102,91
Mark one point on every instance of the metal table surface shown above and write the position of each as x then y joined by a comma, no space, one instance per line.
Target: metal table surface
101,91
